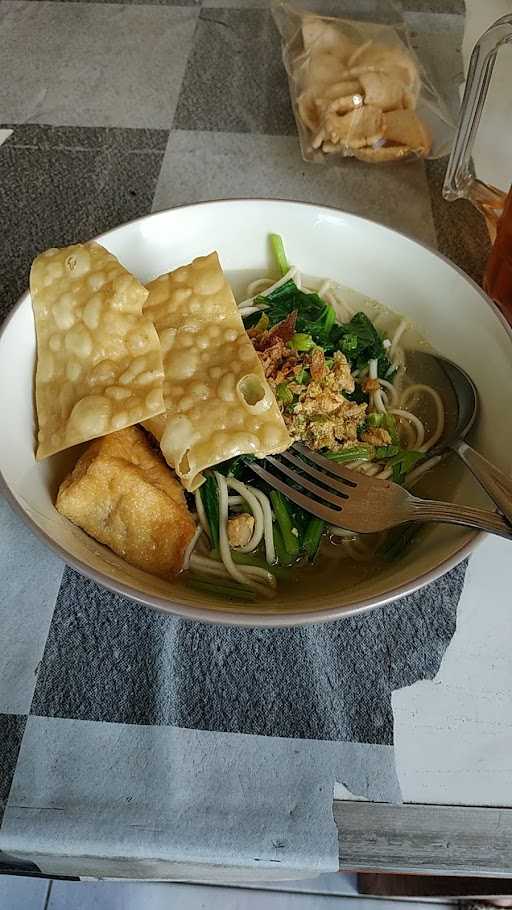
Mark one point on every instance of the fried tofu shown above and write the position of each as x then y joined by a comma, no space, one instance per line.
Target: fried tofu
123,494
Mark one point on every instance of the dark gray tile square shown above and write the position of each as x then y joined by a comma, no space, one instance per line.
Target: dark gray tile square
66,184
108,659
461,231
235,80
12,727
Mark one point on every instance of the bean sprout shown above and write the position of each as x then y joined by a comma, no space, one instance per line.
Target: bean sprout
191,546
209,566
270,553
402,326
291,274
324,287
341,532
258,286
375,397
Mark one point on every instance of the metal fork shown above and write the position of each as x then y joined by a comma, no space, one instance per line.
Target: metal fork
362,504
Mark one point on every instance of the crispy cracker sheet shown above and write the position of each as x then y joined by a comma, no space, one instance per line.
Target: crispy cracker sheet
218,402
123,494
99,362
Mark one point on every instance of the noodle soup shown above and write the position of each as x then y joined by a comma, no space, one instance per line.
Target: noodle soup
407,398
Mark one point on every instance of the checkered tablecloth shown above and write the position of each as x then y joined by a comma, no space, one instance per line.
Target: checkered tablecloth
133,743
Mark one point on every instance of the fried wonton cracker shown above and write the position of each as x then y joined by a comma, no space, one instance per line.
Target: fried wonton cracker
219,403
99,362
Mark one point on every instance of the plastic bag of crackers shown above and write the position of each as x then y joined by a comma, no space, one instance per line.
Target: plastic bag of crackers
357,88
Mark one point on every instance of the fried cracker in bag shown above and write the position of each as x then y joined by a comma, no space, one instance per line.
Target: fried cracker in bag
357,88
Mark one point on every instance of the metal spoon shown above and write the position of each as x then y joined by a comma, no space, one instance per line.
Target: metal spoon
461,396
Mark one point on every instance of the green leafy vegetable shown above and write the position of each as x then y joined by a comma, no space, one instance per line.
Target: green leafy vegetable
403,463
383,452
313,537
251,559
220,589
360,341
361,452
283,557
277,245
209,493
284,518
397,541
314,317
400,460
329,320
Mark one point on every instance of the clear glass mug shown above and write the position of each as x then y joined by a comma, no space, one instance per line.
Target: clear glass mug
460,180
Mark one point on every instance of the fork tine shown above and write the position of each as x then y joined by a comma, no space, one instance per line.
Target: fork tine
325,494
330,515
349,476
334,483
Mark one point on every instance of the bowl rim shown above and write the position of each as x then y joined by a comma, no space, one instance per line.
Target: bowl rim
238,618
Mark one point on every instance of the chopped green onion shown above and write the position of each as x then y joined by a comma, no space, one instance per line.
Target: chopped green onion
277,245
283,393
303,376
375,419
284,519
301,342
349,344
313,536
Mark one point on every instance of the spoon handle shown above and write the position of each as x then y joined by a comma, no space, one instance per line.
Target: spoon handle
495,483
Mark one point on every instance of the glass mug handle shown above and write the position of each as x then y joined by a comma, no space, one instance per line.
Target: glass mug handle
460,180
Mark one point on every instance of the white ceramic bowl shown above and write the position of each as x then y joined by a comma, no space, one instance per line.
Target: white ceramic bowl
449,310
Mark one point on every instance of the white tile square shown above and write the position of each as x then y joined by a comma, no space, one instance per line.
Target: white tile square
19,892
207,165
92,64
31,576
